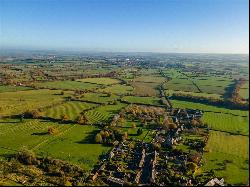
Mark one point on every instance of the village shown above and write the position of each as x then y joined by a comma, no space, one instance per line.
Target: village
171,158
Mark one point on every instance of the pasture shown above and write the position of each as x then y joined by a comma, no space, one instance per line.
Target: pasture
118,89
98,97
74,143
195,94
244,90
71,108
66,85
12,103
101,80
103,113
142,100
145,88
9,88
228,156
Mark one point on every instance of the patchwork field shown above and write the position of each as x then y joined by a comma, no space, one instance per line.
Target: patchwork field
228,156
12,103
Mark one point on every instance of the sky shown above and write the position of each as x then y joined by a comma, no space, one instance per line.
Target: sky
189,26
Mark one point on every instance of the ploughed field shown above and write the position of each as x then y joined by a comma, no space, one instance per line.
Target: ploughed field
99,97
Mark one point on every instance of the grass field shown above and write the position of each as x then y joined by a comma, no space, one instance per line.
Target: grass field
103,113
102,80
98,97
206,95
150,79
228,156
73,143
29,133
178,84
142,100
76,147
118,89
244,91
145,89
72,109
9,88
17,102
64,85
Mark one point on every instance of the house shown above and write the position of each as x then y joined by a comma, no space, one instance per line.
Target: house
215,182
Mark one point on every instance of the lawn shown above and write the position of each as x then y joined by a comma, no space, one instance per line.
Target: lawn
12,103
101,80
66,85
228,156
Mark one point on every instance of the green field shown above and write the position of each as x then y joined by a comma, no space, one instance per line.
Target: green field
228,156
29,133
102,80
142,100
9,88
72,109
12,103
98,97
178,84
206,95
73,143
244,91
66,85
75,146
103,113
118,89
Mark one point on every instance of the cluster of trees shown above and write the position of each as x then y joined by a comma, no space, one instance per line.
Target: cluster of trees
110,135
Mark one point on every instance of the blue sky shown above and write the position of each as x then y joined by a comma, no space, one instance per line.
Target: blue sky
212,26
